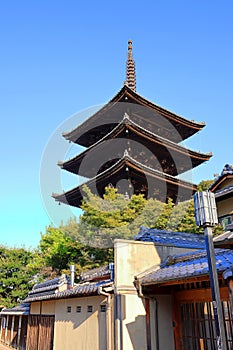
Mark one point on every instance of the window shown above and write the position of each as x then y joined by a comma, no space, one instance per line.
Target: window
78,308
198,325
103,308
90,308
69,309
225,220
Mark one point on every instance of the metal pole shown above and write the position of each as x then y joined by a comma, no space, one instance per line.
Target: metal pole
217,306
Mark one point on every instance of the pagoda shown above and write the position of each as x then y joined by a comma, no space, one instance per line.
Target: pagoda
134,145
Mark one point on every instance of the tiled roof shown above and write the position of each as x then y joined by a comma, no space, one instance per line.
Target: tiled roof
22,309
99,272
184,266
224,191
176,239
227,170
80,290
49,287
224,237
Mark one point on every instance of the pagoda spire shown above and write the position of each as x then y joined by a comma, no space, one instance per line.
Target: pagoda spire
130,68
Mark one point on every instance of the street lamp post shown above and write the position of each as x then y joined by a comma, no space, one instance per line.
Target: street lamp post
206,216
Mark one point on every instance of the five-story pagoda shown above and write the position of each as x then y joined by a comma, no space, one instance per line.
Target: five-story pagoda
133,145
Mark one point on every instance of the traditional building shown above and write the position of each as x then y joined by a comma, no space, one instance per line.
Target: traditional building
177,291
134,145
103,311
13,329
156,295
223,190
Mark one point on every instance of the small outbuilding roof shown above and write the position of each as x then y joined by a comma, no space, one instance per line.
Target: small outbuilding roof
102,272
169,238
22,309
80,290
49,287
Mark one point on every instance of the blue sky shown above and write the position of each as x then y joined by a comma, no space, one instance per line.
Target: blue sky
59,58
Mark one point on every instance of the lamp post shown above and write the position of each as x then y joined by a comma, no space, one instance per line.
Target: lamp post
206,216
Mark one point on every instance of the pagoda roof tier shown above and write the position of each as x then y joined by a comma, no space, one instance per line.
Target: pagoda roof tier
143,112
128,175
148,148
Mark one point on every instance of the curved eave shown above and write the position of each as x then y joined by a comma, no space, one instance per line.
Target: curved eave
190,126
196,158
74,197
214,187
165,112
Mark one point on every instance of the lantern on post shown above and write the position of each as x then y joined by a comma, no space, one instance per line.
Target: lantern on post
206,216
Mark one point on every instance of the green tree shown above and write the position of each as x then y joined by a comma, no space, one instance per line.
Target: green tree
57,251
188,223
16,278
103,220
204,185
71,228
162,221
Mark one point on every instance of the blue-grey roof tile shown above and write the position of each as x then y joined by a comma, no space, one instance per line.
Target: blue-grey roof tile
227,170
188,265
49,287
82,289
21,309
175,239
99,272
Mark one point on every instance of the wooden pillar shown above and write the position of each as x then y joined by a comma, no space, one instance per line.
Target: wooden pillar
12,328
19,330
176,323
148,328
6,331
2,320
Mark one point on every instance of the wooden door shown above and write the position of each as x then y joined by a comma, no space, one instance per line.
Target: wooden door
40,332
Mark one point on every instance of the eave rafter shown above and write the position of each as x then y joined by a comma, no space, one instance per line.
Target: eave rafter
104,120
172,158
139,178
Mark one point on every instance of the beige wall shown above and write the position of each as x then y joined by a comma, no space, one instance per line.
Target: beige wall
132,258
48,307
165,328
133,322
80,331
35,308
225,207
44,308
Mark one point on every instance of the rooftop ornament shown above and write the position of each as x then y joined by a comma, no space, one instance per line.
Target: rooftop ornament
206,216
130,68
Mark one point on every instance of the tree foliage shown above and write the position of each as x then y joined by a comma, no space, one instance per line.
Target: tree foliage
104,220
116,217
88,242
16,278
58,250
204,185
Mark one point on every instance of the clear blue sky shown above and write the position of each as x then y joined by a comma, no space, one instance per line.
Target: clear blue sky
58,58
